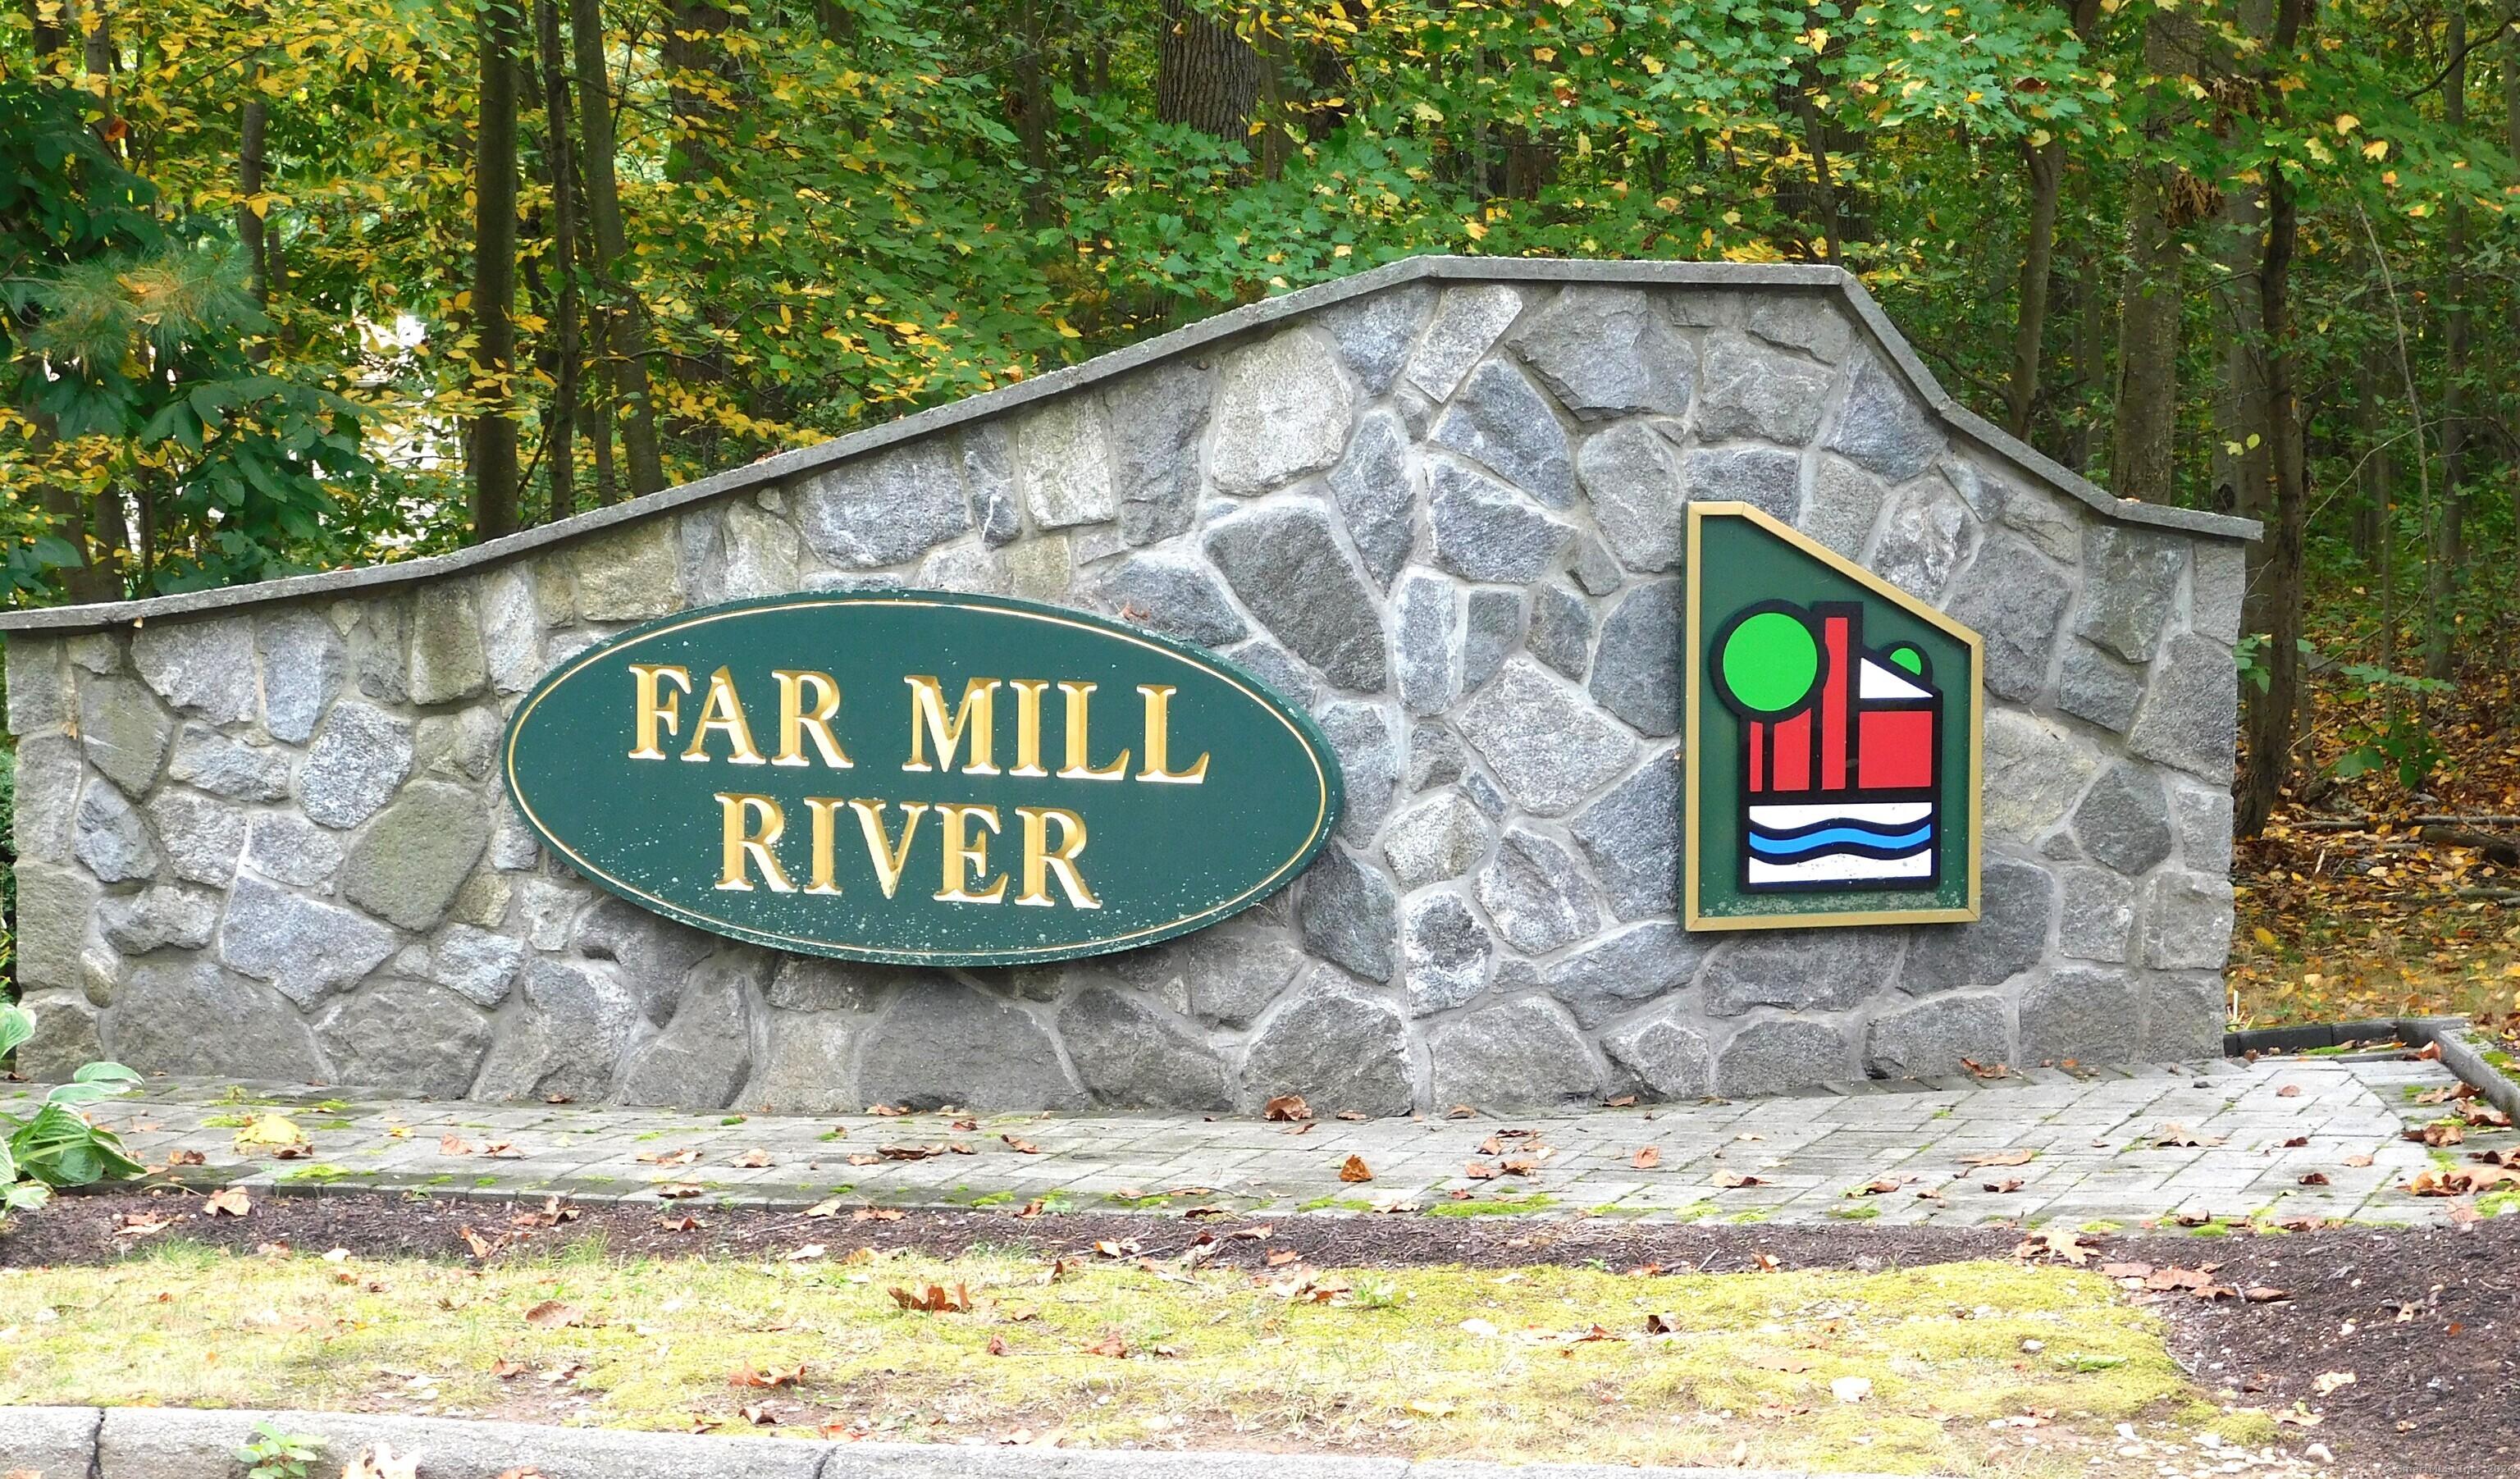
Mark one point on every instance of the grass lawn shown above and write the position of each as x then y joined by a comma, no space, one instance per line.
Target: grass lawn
1975,1369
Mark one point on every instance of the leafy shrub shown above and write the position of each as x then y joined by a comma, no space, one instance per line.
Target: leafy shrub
58,1145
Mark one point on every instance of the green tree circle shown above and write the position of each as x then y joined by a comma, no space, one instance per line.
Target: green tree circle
1769,662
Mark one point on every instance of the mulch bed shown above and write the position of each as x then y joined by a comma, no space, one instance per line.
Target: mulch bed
2428,1321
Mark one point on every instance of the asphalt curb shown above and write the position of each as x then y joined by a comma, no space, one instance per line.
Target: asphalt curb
171,1443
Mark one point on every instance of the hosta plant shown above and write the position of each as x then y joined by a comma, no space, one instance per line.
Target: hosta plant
58,1145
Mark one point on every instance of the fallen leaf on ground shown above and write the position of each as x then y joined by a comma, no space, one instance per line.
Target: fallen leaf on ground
1460,1111
909,1152
683,1157
997,1345
2055,1244
758,1413
1880,1188
2315,1178
1127,1247
1021,1146
1728,1180
551,1315
680,1190
184,1158
807,1253
2330,1381
1767,1263
2357,1161
829,1208
508,1371
1283,1257
2172,1132
1770,1361
752,1160
2440,1133
1851,1388
2005,1187
888,1111
2018,1156
2264,1294
1479,1170
875,1214
1647,1159
1354,1114
1287,1106
1353,1168
682,1223
1033,1208
765,1376
230,1201
865,1158
2289,1090
934,1299
1110,1345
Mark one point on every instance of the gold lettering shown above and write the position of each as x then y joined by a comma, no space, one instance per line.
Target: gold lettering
1159,740
743,843
653,713
888,860
1079,766
1040,860
795,721
973,718
1029,691
966,855
722,711
825,822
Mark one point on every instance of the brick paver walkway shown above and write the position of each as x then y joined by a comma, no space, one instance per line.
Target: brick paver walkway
2093,1150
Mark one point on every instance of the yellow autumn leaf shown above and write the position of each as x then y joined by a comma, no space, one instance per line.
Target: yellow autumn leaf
2266,936
2345,123
2376,148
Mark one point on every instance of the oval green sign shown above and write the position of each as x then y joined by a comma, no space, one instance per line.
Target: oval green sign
920,777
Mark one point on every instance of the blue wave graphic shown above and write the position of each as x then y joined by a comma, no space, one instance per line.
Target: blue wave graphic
1842,838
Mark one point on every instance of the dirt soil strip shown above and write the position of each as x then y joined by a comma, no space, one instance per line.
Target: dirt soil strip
2426,1319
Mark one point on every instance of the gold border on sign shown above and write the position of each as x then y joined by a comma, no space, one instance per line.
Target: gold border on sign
552,684
1690,917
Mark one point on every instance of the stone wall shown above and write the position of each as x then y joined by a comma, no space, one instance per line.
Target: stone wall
260,832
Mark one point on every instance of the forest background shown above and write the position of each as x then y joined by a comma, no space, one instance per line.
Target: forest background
296,286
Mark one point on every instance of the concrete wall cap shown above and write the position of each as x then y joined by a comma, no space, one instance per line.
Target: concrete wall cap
786,466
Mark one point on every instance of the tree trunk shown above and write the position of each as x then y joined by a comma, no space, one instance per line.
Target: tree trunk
626,371
494,275
2047,163
1033,111
250,121
2271,713
560,437
694,55
2147,401
1206,75
2511,142
94,526
45,36
2445,553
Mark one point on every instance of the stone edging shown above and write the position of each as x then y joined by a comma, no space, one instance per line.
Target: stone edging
2461,1051
788,465
162,1442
